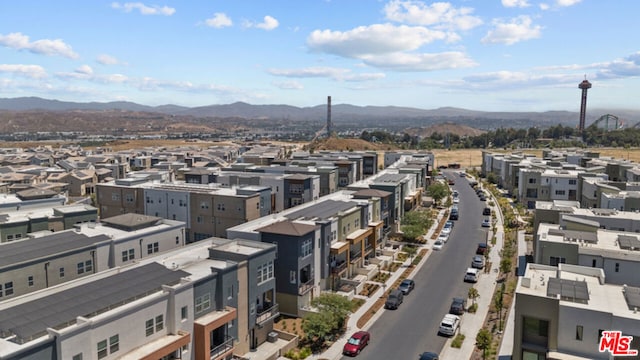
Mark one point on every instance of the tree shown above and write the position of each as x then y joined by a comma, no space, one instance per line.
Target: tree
411,251
473,294
317,326
337,305
505,265
438,191
483,341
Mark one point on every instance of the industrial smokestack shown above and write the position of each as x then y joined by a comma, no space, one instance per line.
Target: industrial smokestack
328,116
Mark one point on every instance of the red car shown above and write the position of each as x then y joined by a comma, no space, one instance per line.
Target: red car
356,343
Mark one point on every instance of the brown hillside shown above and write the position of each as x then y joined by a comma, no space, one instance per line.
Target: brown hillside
444,128
348,144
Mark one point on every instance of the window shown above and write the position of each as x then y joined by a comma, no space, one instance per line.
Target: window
230,292
114,343
80,268
128,255
203,303
292,276
184,313
148,327
128,198
265,272
177,240
102,349
77,357
617,267
560,192
152,248
88,266
159,322
8,289
306,248
30,281
199,219
221,207
204,205
573,181
61,272
579,330
532,181
555,260
115,196
593,263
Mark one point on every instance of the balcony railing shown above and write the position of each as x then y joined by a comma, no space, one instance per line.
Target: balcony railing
355,256
368,247
305,287
226,346
267,314
339,268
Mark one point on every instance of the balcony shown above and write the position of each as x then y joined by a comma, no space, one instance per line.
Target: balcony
218,350
267,314
368,247
305,287
355,256
340,267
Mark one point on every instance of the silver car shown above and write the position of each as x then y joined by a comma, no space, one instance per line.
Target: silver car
477,262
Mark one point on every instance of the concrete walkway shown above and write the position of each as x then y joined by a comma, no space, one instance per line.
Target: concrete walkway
471,323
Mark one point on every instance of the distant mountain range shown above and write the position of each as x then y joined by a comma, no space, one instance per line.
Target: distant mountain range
340,112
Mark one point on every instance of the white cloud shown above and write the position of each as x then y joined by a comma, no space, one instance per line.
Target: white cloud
85,70
30,71
438,14
515,3
20,41
516,30
338,74
567,3
268,23
288,85
370,40
144,9
219,20
105,59
421,62
510,80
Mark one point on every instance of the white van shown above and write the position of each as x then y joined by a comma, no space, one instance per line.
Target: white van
471,275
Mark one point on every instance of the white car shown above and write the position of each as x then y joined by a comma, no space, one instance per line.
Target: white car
446,230
456,200
471,275
443,237
437,245
449,325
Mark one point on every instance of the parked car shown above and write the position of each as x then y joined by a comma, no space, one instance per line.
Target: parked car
451,182
437,245
483,198
449,325
486,211
471,275
443,237
406,286
481,249
394,299
456,200
486,222
356,343
477,262
446,230
449,223
454,214
428,356
458,306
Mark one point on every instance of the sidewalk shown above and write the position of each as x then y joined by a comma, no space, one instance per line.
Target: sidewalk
335,351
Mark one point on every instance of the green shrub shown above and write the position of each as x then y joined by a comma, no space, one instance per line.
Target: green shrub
457,342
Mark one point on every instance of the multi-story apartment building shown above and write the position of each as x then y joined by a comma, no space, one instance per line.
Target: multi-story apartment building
15,225
561,313
47,259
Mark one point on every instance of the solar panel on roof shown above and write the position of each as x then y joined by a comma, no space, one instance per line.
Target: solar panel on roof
31,319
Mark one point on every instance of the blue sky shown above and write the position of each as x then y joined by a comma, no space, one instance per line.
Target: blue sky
493,55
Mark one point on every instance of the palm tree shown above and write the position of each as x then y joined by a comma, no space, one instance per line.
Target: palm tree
473,294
